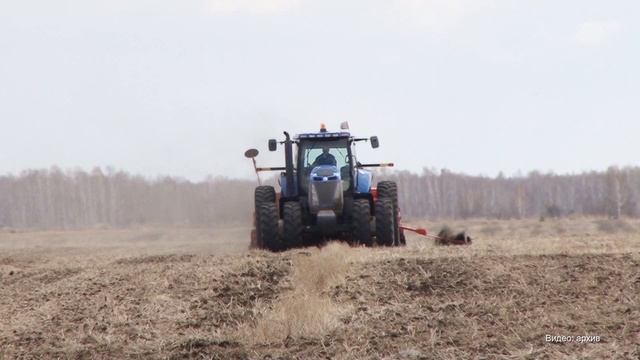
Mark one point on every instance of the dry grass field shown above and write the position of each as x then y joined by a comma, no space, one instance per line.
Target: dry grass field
199,294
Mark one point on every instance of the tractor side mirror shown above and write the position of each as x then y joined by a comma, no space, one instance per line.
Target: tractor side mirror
273,144
374,142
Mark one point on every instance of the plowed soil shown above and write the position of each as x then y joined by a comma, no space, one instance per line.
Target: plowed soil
512,294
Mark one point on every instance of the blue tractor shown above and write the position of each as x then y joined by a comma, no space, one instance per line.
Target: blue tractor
326,193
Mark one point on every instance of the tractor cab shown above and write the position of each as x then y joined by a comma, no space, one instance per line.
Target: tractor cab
324,170
324,157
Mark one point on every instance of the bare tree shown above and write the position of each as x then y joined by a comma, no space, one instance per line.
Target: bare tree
71,199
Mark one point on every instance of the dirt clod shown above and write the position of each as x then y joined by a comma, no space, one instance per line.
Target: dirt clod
446,236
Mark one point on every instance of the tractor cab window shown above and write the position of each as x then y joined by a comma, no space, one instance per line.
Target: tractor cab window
324,152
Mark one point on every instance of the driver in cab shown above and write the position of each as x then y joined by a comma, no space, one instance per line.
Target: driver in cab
325,158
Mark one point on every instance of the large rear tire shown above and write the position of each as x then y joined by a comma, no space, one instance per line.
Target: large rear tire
385,223
262,195
389,190
361,222
268,227
292,224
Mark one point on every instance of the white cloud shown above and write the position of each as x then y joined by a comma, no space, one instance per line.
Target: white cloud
595,33
436,16
228,7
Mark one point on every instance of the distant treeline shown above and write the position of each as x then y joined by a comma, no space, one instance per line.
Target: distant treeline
74,199
612,193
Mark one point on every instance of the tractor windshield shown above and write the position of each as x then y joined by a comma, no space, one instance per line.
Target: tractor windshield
314,153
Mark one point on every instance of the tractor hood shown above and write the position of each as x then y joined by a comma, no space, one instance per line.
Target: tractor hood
325,189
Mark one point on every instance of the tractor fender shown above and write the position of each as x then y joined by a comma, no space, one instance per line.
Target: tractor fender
363,181
284,186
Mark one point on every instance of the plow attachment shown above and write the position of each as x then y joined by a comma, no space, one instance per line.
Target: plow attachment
444,237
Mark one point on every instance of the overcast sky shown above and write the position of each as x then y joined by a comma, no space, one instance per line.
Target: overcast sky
184,87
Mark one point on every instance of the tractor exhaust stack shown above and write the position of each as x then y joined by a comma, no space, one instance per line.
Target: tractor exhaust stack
288,158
